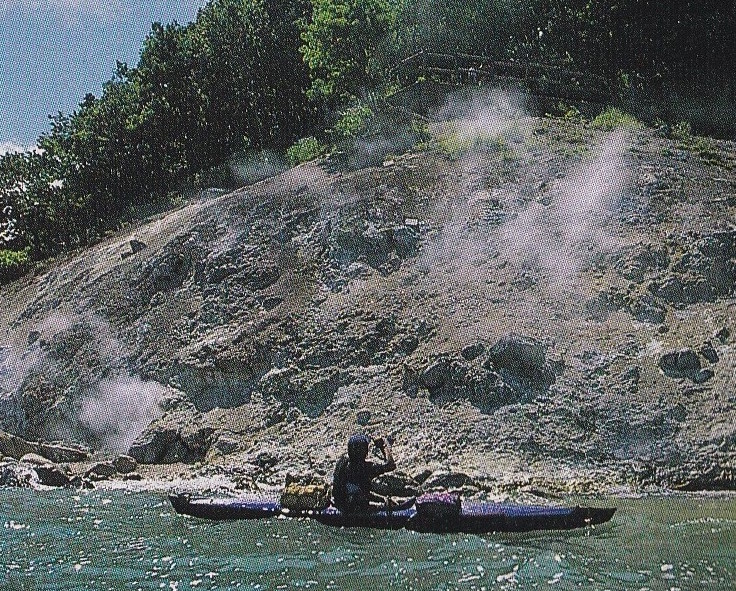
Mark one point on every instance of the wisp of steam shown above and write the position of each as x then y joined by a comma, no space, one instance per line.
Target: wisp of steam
118,410
562,238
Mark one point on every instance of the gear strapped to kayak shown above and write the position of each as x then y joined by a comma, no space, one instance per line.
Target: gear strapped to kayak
473,517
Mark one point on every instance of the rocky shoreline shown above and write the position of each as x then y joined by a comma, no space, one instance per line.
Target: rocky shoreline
550,308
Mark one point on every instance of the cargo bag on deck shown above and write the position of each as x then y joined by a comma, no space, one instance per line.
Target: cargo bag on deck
305,497
440,505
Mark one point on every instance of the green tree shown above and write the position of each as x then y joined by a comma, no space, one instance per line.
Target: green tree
341,43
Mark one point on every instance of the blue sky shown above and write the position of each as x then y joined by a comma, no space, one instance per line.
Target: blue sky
53,52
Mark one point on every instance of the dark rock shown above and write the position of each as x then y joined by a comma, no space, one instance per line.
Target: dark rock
436,375
406,345
52,475
132,476
679,364
197,439
80,482
153,444
125,464
363,417
174,437
703,376
723,335
49,474
63,453
671,290
266,460
709,352
16,447
226,444
406,239
471,352
136,246
395,484
644,311
421,477
100,471
524,357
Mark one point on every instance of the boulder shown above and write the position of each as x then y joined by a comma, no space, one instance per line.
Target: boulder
395,484
52,475
17,475
523,357
14,446
175,437
125,464
723,335
471,352
709,352
153,444
670,290
680,364
100,471
436,375
648,311
35,460
62,452
703,376
227,444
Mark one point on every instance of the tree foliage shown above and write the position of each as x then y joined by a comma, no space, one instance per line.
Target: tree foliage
254,73
341,46
199,93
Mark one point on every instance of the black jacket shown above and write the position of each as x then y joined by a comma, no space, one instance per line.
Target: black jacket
351,483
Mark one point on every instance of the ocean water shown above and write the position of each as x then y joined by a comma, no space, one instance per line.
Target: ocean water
117,540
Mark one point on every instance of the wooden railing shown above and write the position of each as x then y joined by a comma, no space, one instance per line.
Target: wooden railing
543,80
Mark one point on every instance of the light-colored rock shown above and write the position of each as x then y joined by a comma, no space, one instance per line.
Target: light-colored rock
35,460
14,446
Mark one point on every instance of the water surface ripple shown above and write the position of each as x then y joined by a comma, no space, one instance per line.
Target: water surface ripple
116,540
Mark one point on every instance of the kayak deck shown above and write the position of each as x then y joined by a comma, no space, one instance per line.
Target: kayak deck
474,517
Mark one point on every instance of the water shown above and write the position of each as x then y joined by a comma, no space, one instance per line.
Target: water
116,540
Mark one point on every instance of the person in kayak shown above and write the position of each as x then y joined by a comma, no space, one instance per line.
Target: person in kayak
351,484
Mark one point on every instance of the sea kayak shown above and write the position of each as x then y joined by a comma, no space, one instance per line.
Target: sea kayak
474,517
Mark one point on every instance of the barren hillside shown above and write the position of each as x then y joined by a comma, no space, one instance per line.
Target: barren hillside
520,301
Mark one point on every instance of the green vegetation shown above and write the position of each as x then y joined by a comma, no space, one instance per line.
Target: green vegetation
455,143
14,263
612,118
260,74
305,149
353,122
342,39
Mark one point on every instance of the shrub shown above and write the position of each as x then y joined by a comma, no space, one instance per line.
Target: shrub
14,263
612,118
304,150
353,122
682,131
